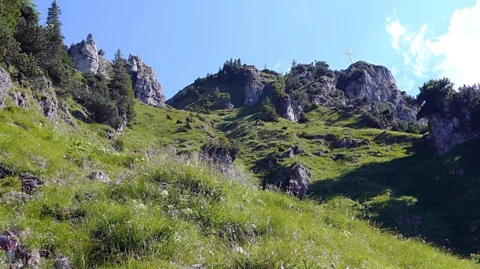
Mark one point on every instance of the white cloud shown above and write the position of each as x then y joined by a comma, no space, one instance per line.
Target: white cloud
459,47
452,54
396,30
406,84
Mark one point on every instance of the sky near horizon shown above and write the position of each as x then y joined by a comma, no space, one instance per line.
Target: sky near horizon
185,39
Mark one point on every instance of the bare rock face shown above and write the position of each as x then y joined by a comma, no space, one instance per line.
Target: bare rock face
294,179
99,176
292,109
46,98
30,183
218,154
5,86
86,58
254,87
445,132
378,84
85,55
145,85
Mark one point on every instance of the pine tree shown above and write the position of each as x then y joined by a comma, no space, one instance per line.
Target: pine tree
55,59
121,86
53,22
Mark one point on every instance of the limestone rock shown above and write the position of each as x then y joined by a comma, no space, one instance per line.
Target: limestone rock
294,179
218,154
19,99
46,98
445,132
145,85
254,87
100,176
86,58
66,115
85,55
30,183
291,109
353,143
62,263
378,84
5,86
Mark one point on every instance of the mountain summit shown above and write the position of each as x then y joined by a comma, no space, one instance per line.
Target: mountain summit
241,85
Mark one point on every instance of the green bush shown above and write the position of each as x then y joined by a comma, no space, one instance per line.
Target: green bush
268,111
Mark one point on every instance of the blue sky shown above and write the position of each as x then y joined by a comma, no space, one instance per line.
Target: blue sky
186,39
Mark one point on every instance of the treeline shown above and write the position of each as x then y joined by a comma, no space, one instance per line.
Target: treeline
437,97
31,51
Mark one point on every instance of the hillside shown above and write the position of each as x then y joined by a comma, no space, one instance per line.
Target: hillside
101,206
245,168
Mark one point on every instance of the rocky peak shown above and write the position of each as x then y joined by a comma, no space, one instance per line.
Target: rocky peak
85,55
376,83
145,85
254,87
373,81
86,58
90,40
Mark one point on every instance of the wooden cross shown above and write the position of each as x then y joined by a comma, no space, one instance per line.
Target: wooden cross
349,54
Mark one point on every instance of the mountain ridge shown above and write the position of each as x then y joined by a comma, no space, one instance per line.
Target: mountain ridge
245,168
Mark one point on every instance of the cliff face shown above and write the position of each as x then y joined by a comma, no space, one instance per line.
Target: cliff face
5,85
446,131
254,87
145,85
41,92
86,58
377,84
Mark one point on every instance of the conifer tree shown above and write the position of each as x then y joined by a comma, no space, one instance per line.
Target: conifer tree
53,22
121,86
56,60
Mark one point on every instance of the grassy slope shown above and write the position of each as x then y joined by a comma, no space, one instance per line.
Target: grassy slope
164,211
399,183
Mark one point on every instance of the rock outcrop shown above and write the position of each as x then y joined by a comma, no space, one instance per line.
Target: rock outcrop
377,84
144,79
46,98
30,183
291,109
86,58
446,132
5,86
294,179
145,85
254,87
99,176
218,154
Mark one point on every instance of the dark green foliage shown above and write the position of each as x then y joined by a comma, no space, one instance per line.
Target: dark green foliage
110,103
433,97
121,89
380,116
268,111
101,52
322,69
98,101
55,59
438,97
29,46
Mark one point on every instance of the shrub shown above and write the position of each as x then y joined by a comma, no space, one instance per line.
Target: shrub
268,111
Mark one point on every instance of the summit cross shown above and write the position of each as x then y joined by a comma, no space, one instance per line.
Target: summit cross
349,54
